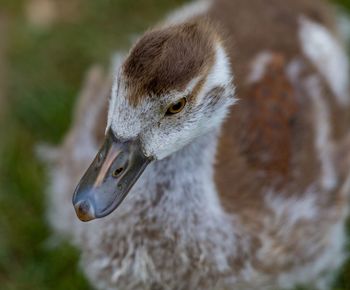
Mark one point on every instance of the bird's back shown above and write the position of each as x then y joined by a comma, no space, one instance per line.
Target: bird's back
288,112
281,167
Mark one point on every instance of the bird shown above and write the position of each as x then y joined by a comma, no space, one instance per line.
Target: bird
214,155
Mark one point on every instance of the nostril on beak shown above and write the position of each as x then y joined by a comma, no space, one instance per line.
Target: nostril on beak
118,171
84,211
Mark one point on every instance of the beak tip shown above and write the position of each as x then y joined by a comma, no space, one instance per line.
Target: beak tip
84,211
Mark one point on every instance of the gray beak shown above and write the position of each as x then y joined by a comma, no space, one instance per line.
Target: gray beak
109,178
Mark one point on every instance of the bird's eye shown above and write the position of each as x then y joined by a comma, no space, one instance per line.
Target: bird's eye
176,107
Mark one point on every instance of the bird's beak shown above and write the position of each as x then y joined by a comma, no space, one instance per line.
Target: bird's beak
109,178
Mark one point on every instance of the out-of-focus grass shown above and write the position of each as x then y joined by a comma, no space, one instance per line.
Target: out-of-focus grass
343,3
45,67
44,71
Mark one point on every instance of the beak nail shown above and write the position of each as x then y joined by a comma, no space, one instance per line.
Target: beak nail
84,211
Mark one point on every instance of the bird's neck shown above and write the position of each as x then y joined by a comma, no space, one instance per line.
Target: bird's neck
183,183
176,200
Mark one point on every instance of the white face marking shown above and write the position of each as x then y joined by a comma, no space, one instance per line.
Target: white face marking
220,75
163,135
328,56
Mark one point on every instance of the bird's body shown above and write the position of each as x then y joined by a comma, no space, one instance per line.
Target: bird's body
258,203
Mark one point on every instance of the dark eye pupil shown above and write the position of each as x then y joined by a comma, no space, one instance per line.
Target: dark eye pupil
177,106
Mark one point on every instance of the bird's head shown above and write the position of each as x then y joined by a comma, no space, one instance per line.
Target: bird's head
175,85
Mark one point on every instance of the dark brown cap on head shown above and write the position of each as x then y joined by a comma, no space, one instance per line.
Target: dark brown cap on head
167,59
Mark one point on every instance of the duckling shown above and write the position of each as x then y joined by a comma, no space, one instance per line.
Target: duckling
226,156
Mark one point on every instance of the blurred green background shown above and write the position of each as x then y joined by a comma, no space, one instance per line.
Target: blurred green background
46,46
